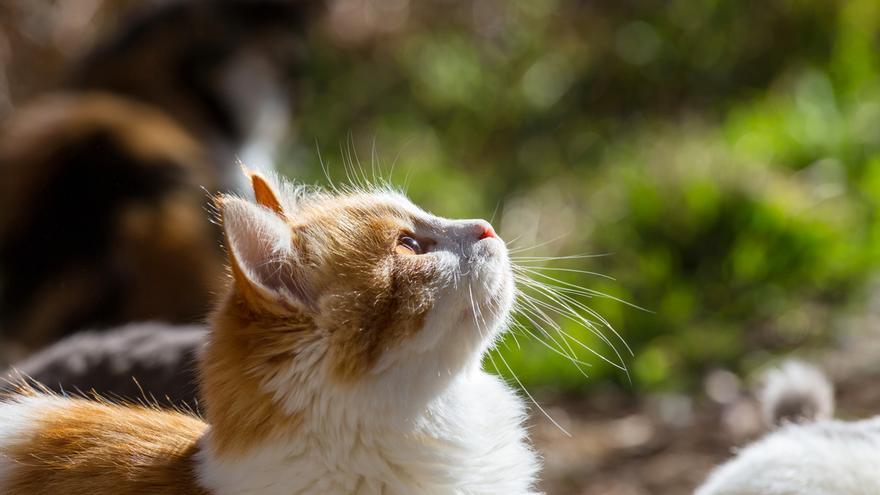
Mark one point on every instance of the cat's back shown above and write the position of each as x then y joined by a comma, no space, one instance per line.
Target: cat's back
54,445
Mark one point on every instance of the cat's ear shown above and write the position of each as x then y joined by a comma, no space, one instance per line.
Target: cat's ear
262,252
265,194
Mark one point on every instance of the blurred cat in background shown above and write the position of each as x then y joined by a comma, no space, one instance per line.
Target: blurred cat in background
810,453
225,70
105,182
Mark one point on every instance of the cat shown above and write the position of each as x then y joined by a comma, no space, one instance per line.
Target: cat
106,179
344,358
101,219
810,453
224,69
152,361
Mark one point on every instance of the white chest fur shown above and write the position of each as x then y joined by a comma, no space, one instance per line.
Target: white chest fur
470,440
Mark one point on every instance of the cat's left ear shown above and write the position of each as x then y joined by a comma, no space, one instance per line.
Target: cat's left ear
263,254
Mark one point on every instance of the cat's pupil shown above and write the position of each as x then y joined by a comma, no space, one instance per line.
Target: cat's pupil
411,244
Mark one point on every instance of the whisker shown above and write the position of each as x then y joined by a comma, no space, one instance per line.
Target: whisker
537,306
568,313
567,270
474,312
571,354
566,302
495,212
324,167
527,330
590,292
536,246
592,313
530,316
557,258
525,390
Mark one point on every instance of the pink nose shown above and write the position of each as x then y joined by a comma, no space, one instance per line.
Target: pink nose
486,231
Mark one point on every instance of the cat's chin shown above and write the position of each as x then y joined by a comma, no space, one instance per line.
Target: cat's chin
459,329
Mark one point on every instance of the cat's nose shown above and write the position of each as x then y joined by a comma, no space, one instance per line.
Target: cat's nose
484,230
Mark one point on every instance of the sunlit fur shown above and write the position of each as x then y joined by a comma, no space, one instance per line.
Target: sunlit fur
52,445
335,364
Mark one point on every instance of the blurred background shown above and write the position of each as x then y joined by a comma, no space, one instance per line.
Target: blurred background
714,166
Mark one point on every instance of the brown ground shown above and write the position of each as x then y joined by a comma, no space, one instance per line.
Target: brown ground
667,444
664,446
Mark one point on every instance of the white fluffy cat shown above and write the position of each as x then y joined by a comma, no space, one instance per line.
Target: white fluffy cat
817,456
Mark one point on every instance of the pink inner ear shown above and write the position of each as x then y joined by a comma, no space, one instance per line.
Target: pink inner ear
261,249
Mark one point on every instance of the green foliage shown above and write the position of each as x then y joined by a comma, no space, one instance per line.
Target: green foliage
724,156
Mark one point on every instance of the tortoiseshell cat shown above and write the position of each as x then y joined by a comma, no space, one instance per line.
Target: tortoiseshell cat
344,359
223,69
104,182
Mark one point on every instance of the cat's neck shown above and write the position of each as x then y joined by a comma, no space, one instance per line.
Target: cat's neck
278,425
261,376
474,427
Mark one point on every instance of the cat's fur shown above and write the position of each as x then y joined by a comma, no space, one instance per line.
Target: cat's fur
822,457
337,363
796,392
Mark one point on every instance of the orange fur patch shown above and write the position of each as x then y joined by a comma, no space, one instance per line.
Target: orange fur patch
247,347
89,448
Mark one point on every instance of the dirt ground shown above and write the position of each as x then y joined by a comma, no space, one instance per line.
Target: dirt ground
667,444
662,446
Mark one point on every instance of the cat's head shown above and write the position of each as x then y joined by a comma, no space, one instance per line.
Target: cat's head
359,293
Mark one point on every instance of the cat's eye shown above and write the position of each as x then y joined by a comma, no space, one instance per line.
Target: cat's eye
408,245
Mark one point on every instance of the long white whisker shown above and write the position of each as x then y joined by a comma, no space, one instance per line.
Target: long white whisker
531,316
523,388
537,306
542,259
576,318
536,246
588,291
570,354
475,312
560,297
530,269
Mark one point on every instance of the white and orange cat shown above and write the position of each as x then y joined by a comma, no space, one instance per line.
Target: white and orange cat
344,359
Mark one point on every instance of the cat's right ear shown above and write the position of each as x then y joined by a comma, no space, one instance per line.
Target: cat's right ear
262,252
265,194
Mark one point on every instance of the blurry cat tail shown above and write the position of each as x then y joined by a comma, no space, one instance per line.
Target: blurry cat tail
796,392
